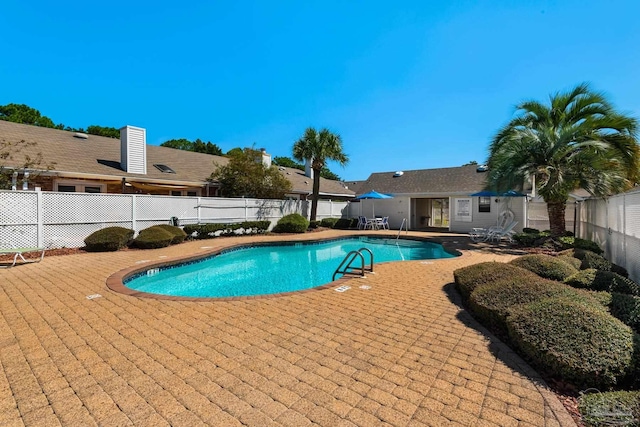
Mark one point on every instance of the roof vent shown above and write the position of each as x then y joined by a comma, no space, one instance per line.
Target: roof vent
80,135
398,173
482,168
280,168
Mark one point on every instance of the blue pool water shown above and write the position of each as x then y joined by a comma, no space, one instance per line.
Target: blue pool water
262,270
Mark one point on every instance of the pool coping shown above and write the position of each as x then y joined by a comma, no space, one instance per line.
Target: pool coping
115,282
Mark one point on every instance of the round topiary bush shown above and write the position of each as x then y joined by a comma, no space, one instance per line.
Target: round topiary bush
108,239
292,223
153,238
627,309
577,341
176,232
468,278
546,266
593,260
491,302
574,262
329,222
599,280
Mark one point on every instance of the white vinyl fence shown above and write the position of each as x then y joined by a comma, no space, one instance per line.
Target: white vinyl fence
614,224
56,220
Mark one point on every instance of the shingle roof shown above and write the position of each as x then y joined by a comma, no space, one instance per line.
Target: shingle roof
456,180
101,156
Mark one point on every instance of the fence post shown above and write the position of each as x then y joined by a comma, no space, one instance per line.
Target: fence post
39,219
133,212
198,209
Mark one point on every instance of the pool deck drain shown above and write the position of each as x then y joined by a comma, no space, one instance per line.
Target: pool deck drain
404,353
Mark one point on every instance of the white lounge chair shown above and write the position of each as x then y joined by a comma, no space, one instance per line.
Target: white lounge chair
506,233
362,222
18,253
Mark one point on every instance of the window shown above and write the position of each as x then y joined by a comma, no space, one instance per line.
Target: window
79,187
164,168
192,193
484,204
176,193
67,188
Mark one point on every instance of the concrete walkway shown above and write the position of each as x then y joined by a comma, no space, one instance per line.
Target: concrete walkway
401,353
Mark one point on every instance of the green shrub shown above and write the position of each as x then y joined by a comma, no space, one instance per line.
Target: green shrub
468,278
314,224
292,223
592,260
574,262
346,223
546,266
108,239
613,408
578,341
599,280
176,232
626,308
329,222
587,245
526,239
152,238
491,302
574,252
529,230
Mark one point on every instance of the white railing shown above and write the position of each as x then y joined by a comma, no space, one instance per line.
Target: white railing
29,218
614,224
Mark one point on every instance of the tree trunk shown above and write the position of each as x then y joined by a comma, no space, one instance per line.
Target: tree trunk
556,217
316,192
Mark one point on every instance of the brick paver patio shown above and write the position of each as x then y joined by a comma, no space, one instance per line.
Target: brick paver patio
402,353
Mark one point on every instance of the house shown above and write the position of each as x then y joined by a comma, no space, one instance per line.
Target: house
96,164
439,198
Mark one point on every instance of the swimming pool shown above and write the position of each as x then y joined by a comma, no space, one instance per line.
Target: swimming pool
272,269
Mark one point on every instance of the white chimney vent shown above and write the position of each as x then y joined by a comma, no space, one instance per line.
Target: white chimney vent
266,158
133,149
308,170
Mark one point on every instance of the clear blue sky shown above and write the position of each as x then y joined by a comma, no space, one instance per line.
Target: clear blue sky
407,84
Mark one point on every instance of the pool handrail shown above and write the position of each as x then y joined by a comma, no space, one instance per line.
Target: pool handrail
351,256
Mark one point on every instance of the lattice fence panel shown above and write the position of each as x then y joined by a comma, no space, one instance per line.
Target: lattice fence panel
18,219
162,208
73,235
83,208
223,210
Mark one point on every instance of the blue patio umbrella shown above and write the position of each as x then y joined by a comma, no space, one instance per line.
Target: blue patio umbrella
484,193
373,195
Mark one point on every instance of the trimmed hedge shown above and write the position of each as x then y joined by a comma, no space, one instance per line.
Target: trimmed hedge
178,234
108,239
211,230
492,302
545,266
614,408
577,341
346,223
599,280
592,260
627,309
468,278
292,223
314,224
153,238
574,262
329,222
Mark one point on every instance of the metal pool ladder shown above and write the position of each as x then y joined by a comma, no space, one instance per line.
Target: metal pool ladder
405,223
345,266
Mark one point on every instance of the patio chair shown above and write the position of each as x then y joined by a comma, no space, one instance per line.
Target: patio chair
18,252
384,223
506,233
362,222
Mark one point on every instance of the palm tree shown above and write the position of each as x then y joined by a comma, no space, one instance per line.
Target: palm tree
319,147
577,141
